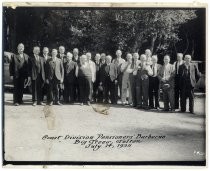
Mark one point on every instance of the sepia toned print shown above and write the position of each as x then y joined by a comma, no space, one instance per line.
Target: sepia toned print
104,85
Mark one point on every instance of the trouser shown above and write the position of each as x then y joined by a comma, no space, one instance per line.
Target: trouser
118,86
37,86
61,90
69,91
126,86
76,90
142,92
177,93
45,91
18,89
133,88
153,91
114,88
168,97
107,85
85,86
53,90
187,92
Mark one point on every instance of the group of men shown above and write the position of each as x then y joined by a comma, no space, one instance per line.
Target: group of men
70,78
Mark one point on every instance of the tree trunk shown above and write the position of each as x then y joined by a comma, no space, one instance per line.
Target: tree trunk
153,42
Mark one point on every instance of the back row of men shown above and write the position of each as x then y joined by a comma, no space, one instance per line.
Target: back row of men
80,79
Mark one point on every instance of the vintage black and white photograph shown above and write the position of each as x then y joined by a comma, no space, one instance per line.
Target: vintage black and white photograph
94,85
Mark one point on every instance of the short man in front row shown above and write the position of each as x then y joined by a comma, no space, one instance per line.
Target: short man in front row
166,78
37,76
189,74
154,84
142,83
54,77
19,73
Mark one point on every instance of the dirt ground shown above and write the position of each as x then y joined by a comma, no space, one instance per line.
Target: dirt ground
32,133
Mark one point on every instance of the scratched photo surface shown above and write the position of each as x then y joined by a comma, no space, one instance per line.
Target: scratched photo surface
101,132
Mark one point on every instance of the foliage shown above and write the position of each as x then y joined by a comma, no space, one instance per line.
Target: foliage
100,30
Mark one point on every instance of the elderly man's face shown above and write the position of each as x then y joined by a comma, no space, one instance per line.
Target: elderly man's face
166,59
83,59
179,57
54,53
97,57
61,50
187,58
45,51
36,51
154,60
135,56
148,52
129,58
118,53
20,48
69,56
75,52
88,56
108,60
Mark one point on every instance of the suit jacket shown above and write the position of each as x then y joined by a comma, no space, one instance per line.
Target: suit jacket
194,74
15,66
104,73
33,63
63,58
69,71
170,72
54,68
116,69
158,69
175,66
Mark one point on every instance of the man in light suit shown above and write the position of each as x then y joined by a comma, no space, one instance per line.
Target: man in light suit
19,73
37,76
189,75
54,77
154,84
93,72
127,68
166,78
177,91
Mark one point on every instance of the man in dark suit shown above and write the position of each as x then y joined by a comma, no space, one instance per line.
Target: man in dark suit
105,80
76,86
97,95
154,84
61,56
19,73
54,77
45,57
177,64
37,75
189,74
69,78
